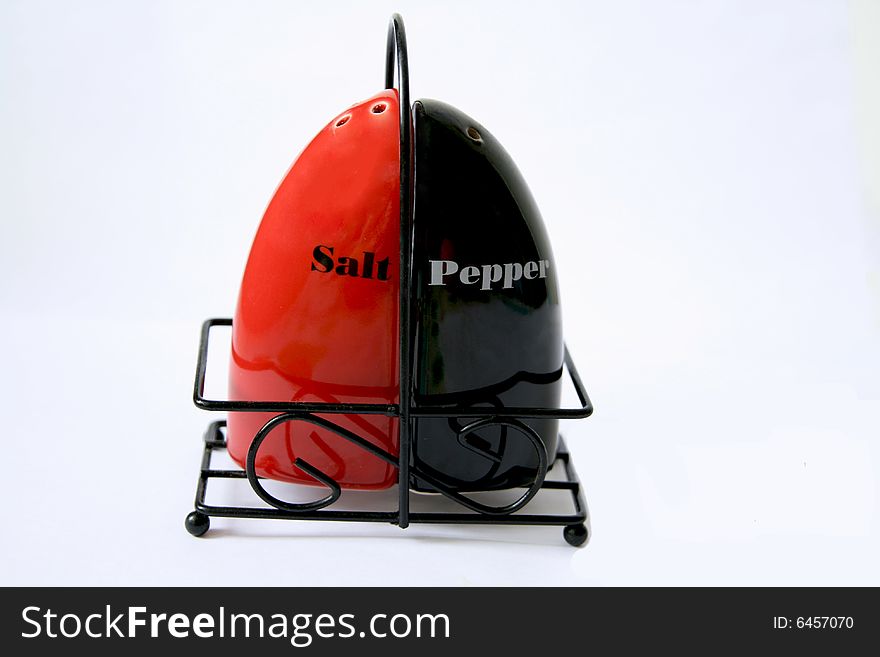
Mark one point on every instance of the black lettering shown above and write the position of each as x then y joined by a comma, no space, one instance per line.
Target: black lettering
325,260
382,274
347,266
368,264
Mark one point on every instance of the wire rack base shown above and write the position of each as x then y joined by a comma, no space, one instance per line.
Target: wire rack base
576,523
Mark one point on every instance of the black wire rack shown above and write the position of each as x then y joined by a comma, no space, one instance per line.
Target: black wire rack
575,523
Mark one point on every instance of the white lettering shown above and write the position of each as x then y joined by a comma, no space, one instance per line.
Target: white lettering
134,621
469,275
506,274
154,623
112,625
76,623
513,271
178,626
89,626
24,617
491,274
440,269
203,626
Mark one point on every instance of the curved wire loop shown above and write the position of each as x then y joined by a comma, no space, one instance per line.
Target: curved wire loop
487,509
305,466
471,442
457,426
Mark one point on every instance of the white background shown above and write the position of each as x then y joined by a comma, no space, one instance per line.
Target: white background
708,175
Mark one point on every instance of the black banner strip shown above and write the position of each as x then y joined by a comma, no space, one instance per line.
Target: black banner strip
413,621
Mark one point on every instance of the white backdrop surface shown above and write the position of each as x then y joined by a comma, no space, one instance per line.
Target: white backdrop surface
708,173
